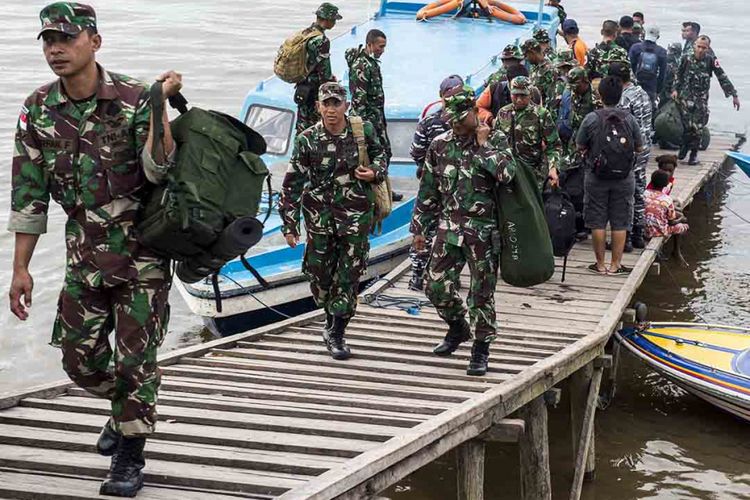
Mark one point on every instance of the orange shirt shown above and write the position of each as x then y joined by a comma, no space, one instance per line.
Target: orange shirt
580,49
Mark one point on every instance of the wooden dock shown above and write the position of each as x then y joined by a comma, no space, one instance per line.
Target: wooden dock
268,413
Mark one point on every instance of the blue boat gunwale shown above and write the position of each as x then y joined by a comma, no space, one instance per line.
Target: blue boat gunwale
634,336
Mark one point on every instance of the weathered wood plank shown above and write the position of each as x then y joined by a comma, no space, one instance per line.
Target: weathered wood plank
174,451
218,418
586,435
158,471
470,470
169,431
533,448
21,484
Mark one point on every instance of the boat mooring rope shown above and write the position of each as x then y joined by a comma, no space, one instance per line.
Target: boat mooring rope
247,291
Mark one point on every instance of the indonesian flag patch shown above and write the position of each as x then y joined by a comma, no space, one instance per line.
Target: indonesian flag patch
23,118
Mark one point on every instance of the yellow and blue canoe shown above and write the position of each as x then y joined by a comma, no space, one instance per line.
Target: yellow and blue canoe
709,361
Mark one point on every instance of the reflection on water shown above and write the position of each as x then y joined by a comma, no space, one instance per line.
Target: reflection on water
655,441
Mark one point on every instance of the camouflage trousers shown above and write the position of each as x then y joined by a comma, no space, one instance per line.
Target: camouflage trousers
639,203
307,116
419,260
334,265
446,263
138,312
694,119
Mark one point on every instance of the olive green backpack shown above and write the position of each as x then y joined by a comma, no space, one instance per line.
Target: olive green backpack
291,60
204,214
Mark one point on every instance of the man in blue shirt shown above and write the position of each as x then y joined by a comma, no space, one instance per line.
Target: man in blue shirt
649,63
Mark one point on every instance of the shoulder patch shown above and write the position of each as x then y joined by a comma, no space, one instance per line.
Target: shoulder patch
716,63
23,118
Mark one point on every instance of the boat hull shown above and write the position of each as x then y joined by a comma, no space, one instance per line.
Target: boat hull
709,361
742,160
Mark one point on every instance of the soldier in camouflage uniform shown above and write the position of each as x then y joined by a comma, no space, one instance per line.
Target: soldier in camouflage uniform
318,66
456,198
541,35
541,73
531,131
691,85
366,84
329,183
427,129
84,140
674,54
560,10
564,62
511,56
606,49
583,101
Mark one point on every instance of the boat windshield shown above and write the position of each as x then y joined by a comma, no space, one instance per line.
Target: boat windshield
274,124
401,134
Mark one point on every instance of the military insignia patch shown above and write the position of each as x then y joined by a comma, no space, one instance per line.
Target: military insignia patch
716,63
23,118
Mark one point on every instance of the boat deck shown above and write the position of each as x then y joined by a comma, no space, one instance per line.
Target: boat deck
267,413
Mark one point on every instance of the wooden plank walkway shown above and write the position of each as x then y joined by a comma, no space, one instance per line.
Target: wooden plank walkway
268,414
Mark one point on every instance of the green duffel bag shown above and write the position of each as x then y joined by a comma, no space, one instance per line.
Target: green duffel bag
705,139
217,179
526,257
668,124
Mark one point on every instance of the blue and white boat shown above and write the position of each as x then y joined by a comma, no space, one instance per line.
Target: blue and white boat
742,160
419,56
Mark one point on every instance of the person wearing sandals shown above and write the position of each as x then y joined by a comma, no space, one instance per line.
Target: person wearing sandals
610,139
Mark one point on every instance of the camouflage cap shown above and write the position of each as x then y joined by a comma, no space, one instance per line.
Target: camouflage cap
521,85
637,27
530,45
328,11
459,104
566,57
332,90
675,48
612,57
512,52
70,18
577,75
541,35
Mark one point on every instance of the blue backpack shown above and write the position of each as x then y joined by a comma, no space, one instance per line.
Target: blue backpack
648,66
564,125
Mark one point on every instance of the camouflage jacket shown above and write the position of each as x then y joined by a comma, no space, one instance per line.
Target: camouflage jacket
542,76
637,101
560,86
88,156
432,126
561,14
595,64
693,79
320,183
456,196
366,87
581,105
534,138
498,76
318,59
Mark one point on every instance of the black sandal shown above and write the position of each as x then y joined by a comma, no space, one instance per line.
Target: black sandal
622,270
595,269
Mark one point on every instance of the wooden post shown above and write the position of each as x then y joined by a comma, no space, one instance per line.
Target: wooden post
470,468
533,449
579,385
586,438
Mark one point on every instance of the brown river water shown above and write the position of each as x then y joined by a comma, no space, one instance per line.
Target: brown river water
655,441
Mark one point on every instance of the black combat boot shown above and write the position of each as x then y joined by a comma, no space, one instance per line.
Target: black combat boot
480,357
637,237
329,323
693,160
108,440
125,476
458,331
683,152
334,339
628,244
416,283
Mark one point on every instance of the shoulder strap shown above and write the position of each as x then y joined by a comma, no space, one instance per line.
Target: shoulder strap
157,110
358,131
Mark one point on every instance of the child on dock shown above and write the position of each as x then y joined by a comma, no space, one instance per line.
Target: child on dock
667,163
662,219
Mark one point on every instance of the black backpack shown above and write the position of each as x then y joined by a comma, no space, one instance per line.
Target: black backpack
615,154
648,66
561,220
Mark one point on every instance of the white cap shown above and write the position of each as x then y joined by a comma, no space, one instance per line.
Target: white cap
652,33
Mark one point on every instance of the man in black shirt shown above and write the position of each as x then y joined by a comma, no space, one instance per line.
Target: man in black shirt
627,38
